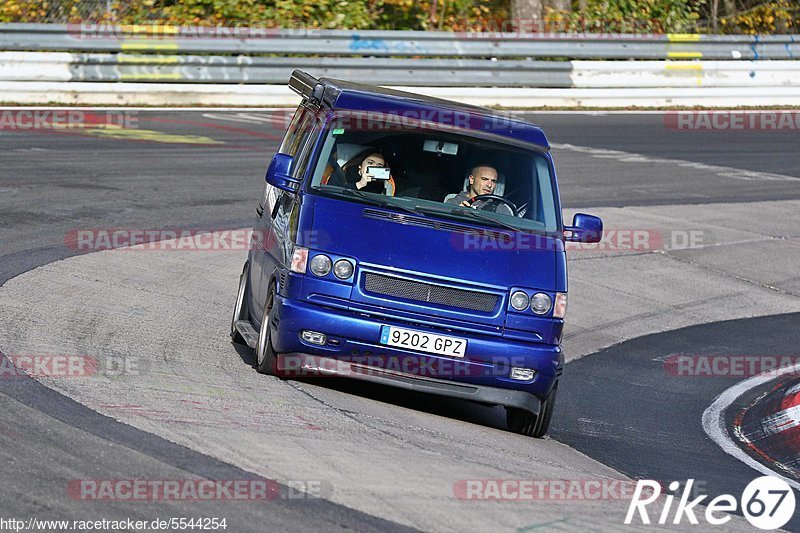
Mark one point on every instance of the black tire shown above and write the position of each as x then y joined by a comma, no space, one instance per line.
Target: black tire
240,307
526,423
266,358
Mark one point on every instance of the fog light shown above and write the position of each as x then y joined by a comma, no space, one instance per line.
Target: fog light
314,337
320,265
519,301
540,303
522,374
343,269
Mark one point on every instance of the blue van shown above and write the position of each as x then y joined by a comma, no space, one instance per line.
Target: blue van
413,242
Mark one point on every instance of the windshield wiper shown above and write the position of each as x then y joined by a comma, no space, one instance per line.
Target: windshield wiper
455,211
477,215
375,199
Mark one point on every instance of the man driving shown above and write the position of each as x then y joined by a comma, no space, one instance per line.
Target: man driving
482,180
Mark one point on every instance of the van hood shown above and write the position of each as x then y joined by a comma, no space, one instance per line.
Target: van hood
427,246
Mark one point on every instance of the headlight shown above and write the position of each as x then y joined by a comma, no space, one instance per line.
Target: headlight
320,265
540,303
343,269
519,301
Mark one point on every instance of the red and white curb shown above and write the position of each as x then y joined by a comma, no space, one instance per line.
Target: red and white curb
787,420
770,428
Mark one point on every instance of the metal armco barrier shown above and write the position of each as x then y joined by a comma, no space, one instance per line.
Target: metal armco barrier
45,66
167,65
189,40
64,66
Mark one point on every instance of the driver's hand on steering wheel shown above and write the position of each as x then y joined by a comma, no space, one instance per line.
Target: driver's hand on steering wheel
465,203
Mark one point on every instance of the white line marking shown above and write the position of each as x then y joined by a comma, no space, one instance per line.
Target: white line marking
629,157
249,118
714,420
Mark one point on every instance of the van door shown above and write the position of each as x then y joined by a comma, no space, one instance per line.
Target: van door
273,243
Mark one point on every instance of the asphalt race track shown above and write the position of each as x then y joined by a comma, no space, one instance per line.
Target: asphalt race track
369,458
656,433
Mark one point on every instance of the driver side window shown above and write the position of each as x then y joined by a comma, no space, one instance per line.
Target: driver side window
297,142
298,128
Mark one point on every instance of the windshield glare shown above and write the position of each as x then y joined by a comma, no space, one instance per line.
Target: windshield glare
435,172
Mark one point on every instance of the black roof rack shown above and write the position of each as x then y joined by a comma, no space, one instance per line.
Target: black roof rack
302,83
326,91
307,86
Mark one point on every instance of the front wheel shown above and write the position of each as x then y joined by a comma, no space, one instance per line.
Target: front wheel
526,423
266,358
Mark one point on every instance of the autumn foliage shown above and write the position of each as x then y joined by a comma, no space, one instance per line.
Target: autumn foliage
593,16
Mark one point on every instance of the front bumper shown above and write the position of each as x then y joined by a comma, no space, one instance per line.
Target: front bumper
353,340
303,365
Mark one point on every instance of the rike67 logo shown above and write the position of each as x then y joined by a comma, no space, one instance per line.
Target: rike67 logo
767,502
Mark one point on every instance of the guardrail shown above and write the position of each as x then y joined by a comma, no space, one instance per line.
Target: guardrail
193,40
167,65
122,67
46,66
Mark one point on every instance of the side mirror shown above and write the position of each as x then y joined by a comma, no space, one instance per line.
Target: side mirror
278,173
585,228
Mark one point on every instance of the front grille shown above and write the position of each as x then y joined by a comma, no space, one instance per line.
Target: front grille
429,293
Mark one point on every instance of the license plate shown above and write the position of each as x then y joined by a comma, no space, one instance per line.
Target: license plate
423,342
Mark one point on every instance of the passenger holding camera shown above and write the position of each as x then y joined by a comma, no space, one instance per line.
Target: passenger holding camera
368,172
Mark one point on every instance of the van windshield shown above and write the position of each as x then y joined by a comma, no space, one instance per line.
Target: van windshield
434,172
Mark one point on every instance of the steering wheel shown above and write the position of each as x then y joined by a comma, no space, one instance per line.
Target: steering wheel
492,197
